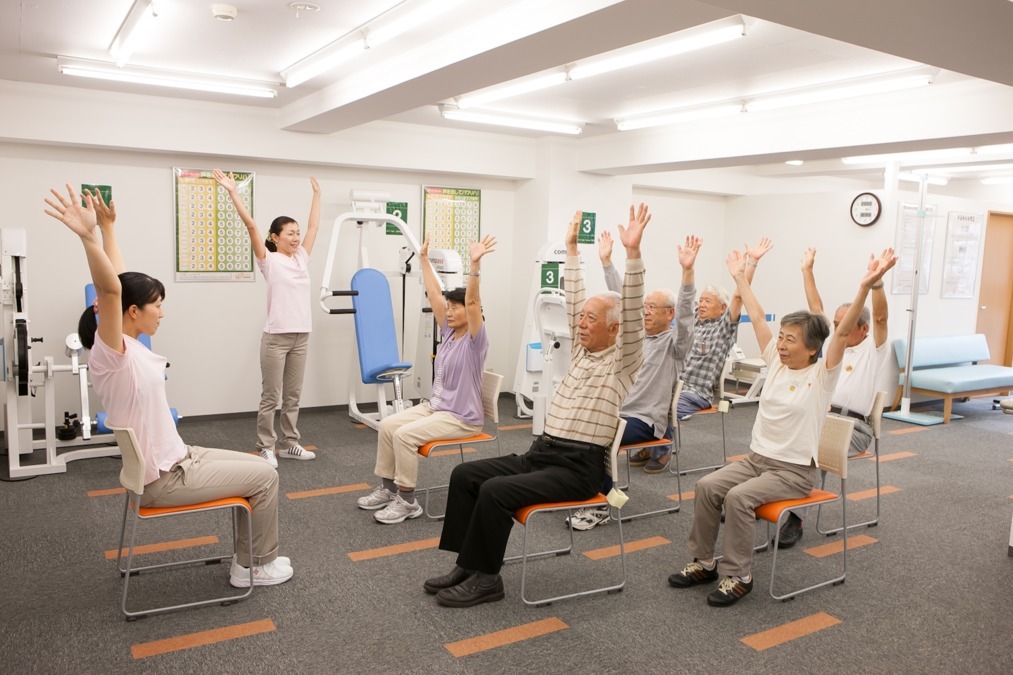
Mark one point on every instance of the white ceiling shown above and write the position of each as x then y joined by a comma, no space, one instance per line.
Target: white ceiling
485,42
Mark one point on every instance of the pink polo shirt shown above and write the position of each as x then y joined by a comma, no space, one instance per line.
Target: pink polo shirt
132,388
288,292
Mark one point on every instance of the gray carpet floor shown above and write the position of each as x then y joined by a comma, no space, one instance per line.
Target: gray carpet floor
932,594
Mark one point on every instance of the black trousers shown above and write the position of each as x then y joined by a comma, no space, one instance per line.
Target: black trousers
485,493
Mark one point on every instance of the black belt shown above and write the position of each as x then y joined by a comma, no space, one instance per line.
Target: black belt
848,413
556,442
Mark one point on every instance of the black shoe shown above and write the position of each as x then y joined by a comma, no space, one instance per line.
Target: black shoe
729,591
791,532
451,578
470,592
692,574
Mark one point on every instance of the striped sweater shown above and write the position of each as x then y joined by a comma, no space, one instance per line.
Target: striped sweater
586,404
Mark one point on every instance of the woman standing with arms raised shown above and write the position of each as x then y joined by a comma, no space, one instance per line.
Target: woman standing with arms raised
283,258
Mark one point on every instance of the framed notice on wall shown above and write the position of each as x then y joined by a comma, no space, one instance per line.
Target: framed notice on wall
904,247
451,218
212,243
960,260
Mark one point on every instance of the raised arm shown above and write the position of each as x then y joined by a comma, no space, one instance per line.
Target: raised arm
433,290
612,280
812,296
573,280
687,293
880,311
472,299
81,220
309,237
630,341
752,257
687,258
106,216
229,183
873,276
737,264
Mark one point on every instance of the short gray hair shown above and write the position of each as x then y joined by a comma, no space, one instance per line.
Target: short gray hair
720,293
863,317
613,305
668,294
815,329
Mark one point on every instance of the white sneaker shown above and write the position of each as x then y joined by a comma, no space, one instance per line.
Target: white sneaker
296,452
589,517
282,560
270,574
397,511
268,456
377,499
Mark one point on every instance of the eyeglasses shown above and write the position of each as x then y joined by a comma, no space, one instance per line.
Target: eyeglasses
654,308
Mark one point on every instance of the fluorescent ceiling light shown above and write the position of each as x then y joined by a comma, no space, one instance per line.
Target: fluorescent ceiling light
997,180
915,178
795,162
164,78
910,157
629,58
126,37
515,89
678,115
965,168
554,126
837,92
359,39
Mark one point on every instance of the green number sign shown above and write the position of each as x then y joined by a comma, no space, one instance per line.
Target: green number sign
399,210
550,275
585,235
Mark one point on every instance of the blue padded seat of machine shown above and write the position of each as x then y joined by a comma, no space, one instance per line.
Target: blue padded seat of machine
375,334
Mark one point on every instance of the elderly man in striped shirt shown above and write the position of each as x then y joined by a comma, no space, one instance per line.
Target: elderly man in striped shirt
568,462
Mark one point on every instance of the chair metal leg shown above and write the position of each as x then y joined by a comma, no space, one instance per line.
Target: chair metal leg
670,509
777,535
712,467
866,523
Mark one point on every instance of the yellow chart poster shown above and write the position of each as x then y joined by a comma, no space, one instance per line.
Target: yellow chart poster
451,219
211,241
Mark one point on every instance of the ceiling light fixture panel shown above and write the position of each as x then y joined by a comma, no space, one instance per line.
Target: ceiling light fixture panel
497,119
164,78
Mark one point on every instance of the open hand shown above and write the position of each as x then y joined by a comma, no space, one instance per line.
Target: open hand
571,231
736,263
760,250
227,182
688,251
631,235
314,183
877,267
105,213
605,248
480,248
68,210
424,249
808,259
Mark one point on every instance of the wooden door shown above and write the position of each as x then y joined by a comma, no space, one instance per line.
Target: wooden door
995,302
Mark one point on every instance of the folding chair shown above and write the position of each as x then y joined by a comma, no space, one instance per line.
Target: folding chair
491,384
876,422
722,408
835,440
659,443
132,479
524,517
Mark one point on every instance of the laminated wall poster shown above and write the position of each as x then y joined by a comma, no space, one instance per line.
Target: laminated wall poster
212,243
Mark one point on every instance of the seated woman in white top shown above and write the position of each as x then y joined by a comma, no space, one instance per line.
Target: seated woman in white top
130,379
784,447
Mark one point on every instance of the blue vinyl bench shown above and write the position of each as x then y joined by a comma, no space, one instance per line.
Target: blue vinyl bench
948,368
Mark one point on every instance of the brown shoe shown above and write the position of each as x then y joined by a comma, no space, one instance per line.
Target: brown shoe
640,458
658,465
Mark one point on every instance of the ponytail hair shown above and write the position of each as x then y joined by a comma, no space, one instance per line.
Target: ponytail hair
277,225
137,289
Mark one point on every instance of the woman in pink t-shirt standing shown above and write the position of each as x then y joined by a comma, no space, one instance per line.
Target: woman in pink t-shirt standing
284,259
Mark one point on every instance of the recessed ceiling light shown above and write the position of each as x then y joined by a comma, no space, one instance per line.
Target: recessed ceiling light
795,162
224,12
307,7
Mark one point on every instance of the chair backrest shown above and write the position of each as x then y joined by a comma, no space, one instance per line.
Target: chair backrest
614,450
132,473
835,440
491,385
673,411
876,414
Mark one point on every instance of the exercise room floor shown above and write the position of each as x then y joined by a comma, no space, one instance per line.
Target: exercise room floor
930,590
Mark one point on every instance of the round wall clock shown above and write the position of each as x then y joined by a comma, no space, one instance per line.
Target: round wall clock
865,209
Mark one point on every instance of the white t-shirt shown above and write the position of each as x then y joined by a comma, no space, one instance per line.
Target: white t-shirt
857,385
132,388
288,292
793,406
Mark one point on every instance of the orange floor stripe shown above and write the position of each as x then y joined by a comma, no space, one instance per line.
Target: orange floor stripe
685,495
310,447
871,493
165,546
907,430
894,455
206,637
790,631
836,547
505,637
384,551
515,426
735,458
103,493
327,491
360,426
631,547
451,451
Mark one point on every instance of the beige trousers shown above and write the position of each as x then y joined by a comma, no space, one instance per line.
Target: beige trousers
401,436
205,474
282,365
